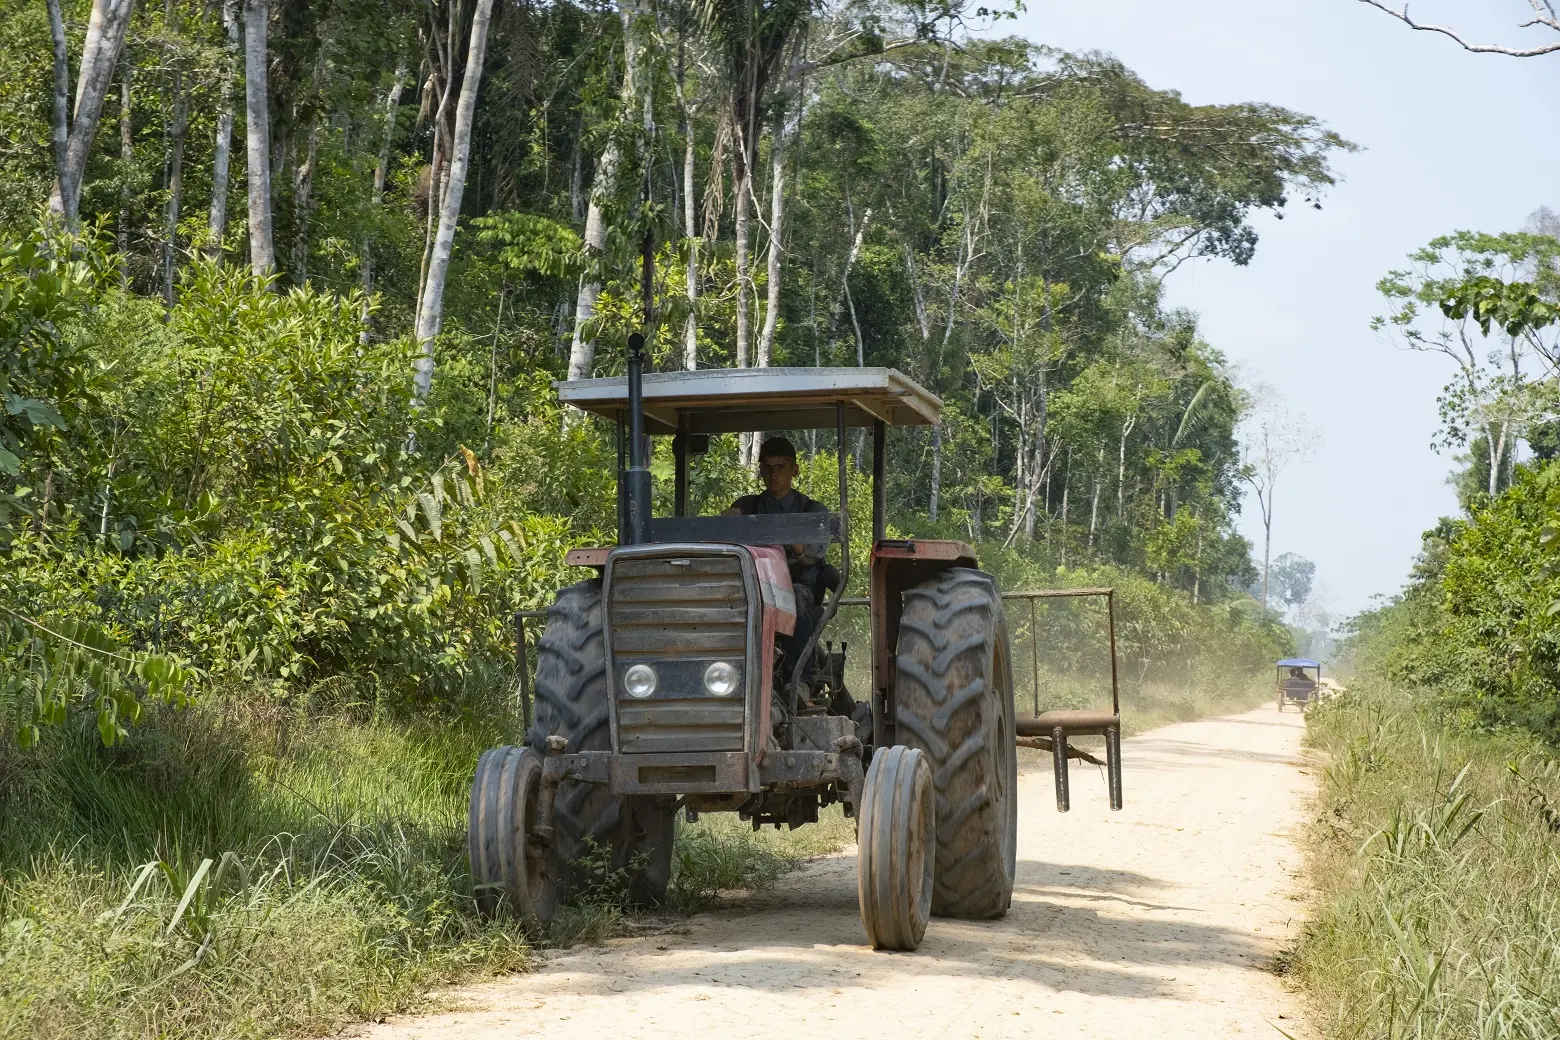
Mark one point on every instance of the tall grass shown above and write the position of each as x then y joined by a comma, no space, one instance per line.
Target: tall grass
1437,863
228,872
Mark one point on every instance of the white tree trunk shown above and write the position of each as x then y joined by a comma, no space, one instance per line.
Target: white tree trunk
431,312
691,233
61,107
176,128
381,173
257,115
1267,549
303,176
742,221
582,349
222,149
99,57
937,445
766,338
97,26
126,161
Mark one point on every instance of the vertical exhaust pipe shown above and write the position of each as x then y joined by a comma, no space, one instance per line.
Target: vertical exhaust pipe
636,480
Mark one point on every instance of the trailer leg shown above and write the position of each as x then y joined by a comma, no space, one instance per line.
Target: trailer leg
1059,765
1113,764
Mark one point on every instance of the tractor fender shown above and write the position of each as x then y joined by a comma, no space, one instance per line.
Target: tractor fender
779,607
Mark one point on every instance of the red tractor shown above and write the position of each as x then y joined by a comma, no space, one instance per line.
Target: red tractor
661,683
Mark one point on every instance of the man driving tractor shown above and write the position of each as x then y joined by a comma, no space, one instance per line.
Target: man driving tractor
812,577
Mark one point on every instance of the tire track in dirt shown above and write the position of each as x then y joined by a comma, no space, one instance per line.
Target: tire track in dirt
1160,921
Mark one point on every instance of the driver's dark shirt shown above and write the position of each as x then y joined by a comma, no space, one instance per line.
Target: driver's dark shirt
792,501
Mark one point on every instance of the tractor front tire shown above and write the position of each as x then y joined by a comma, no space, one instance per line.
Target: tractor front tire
591,824
895,859
508,865
954,701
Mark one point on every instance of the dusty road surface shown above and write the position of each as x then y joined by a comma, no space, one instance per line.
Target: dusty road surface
1160,921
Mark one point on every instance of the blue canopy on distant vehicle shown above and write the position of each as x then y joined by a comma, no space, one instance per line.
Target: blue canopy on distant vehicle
1299,662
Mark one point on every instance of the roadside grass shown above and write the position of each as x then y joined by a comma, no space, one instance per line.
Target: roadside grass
232,872
1436,861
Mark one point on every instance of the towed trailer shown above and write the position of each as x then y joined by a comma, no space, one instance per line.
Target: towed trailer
664,683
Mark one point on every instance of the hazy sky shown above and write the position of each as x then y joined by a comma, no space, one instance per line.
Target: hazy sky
1451,140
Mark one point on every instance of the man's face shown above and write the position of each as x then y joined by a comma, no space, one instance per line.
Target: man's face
777,473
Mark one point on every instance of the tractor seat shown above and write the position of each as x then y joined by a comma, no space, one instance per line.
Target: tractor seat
1074,723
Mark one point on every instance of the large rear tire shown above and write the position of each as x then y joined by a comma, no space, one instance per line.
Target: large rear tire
634,835
954,701
895,862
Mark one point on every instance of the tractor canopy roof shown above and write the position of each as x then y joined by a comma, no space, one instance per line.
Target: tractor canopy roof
1299,662
734,400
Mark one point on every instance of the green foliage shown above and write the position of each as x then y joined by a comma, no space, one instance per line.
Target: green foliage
1515,307
242,498
43,376
1477,629
531,244
55,669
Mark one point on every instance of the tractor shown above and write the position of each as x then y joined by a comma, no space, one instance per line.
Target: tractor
663,684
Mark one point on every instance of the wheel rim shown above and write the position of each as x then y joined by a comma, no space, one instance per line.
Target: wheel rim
1005,749
533,876
924,847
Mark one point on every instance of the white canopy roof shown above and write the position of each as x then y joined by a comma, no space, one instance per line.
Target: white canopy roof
731,400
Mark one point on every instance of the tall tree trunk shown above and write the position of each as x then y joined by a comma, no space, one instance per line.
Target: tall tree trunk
1094,499
766,338
61,107
1066,490
106,32
381,173
1121,468
303,209
431,312
1267,548
303,176
126,162
577,172
742,230
582,350
1197,566
850,261
1497,452
691,235
98,25
937,449
176,129
257,115
222,149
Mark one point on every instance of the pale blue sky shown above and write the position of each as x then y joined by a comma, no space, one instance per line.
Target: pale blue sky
1452,140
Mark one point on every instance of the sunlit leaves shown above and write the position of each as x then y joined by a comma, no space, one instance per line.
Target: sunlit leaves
68,663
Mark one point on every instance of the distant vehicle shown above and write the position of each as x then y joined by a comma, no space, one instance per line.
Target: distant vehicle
1296,682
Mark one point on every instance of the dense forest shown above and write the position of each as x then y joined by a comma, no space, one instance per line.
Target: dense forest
283,291
276,270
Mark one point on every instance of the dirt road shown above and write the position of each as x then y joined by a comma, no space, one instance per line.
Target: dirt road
1160,921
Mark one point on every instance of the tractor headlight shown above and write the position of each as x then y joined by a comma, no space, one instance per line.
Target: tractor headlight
639,680
720,679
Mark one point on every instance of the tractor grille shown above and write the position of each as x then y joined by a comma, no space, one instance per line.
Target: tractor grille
678,614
